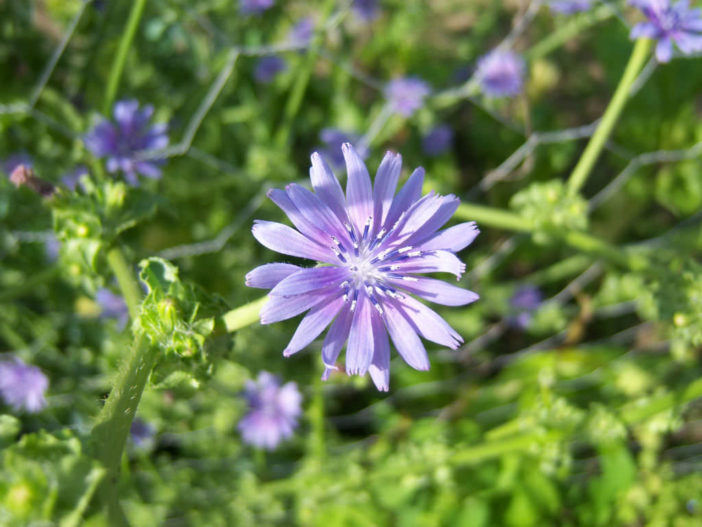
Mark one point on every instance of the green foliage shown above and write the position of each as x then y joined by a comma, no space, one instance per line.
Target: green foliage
550,209
170,319
46,477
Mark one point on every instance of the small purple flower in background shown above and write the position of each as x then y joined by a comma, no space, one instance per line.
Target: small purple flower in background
142,433
52,247
669,24
254,7
301,33
130,134
22,386
267,68
14,160
273,411
438,140
568,7
333,138
373,243
366,10
72,179
406,95
501,73
112,306
524,302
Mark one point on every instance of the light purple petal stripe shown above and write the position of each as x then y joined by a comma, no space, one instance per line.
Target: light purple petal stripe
384,189
429,324
267,276
359,194
335,339
437,291
405,339
281,308
312,325
317,212
379,369
286,240
434,262
303,224
410,193
454,238
327,186
305,281
359,351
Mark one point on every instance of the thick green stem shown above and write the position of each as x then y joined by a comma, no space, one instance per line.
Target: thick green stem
316,443
109,435
125,279
303,77
121,57
636,62
492,217
242,316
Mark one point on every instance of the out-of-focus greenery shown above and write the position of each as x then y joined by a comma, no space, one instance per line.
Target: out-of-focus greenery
588,417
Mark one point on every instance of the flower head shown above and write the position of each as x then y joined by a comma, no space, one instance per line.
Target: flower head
524,302
406,95
669,24
372,244
568,7
333,138
438,140
301,33
254,7
501,73
123,140
22,386
267,68
273,411
366,10
112,306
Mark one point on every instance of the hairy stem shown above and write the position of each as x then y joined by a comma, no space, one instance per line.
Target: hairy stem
125,279
636,62
121,57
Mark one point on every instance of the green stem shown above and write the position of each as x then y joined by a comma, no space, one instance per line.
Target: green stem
303,77
109,435
638,58
567,30
125,279
492,217
316,440
242,316
121,57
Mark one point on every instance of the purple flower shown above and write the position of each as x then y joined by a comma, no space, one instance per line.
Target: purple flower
267,68
669,23
52,247
273,411
333,138
501,73
366,10
141,432
112,306
122,140
22,386
14,160
406,95
372,244
72,179
438,140
301,33
524,302
568,7
254,7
